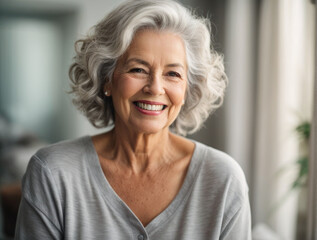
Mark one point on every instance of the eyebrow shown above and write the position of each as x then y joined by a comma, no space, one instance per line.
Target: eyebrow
138,61
175,65
148,65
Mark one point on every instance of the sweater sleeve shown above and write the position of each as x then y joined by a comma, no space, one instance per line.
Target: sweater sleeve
40,215
239,227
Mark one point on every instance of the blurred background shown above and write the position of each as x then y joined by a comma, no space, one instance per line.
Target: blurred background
269,48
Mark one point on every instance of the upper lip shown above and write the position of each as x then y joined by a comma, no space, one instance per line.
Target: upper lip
150,102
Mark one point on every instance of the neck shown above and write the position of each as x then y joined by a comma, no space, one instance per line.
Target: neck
140,151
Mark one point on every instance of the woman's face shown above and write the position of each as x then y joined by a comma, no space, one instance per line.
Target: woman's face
149,82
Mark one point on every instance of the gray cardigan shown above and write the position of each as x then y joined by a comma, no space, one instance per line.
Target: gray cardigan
66,196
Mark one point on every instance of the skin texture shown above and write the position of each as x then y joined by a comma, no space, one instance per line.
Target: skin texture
145,163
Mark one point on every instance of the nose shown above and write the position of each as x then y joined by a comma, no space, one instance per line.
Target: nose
155,85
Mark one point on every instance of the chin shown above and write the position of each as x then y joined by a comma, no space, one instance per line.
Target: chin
148,129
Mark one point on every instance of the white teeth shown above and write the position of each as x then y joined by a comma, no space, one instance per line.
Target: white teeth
149,106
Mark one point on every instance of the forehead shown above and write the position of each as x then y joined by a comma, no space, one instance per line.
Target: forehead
151,45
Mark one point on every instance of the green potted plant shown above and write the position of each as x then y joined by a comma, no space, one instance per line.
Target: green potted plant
303,131
300,182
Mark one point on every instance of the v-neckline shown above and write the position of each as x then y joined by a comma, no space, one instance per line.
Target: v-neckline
122,208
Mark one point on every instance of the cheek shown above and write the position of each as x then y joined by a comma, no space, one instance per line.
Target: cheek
126,87
177,94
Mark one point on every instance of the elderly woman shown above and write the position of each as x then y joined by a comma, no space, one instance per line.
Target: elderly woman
149,71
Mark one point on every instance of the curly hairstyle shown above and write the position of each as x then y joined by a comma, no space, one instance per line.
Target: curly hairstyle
97,55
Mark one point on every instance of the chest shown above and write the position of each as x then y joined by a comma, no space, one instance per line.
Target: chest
95,215
149,195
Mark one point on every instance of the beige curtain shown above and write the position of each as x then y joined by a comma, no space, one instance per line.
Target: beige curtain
284,97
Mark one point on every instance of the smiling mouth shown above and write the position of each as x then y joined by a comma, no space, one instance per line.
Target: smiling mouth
150,107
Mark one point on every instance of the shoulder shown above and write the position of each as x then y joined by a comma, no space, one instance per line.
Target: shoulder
220,169
63,153
216,160
63,160
51,174
55,166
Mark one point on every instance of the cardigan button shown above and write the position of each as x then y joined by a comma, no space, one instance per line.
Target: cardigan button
140,237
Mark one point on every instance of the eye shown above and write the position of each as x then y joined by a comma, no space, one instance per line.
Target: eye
174,74
137,70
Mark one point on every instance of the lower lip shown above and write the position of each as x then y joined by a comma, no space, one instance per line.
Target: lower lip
148,112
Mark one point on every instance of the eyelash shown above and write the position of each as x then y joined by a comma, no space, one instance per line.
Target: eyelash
137,70
175,74
141,70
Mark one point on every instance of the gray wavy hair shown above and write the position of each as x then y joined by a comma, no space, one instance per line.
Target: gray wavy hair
97,55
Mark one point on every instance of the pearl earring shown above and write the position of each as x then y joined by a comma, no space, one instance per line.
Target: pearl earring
106,93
